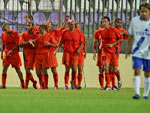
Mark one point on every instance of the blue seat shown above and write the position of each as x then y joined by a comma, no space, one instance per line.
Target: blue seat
12,27
123,17
54,18
82,18
20,18
0,32
8,16
39,18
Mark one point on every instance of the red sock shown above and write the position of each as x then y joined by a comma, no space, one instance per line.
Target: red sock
66,78
112,75
46,81
31,77
55,76
101,80
22,83
107,78
4,76
27,80
118,75
40,79
74,78
79,79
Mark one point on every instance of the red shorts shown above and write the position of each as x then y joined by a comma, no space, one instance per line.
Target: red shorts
14,60
42,61
100,60
70,59
29,59
110,58
81,60
52,60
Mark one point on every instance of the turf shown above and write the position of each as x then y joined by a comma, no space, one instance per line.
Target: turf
15,100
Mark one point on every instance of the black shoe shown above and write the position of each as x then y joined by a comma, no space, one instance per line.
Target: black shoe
78,87
72,86
2,87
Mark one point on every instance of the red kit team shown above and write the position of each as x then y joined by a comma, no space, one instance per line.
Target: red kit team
40,45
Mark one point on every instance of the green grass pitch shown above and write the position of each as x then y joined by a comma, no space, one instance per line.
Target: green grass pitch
89,100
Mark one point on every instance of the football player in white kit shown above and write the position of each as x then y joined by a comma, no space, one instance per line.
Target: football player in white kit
139,41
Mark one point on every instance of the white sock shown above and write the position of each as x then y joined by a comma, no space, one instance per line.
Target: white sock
137,83
146,86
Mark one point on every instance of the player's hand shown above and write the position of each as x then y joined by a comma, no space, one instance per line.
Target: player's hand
78,51
127,53
110,45
85,54
31,42
94,56
55,52
67,17
47,43
10,53
26,16
1,56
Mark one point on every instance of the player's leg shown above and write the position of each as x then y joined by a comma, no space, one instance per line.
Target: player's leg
137,63
66,77
101,77
44,71
39,75
55,76
4,76
74,77
146,70
80,69
20,75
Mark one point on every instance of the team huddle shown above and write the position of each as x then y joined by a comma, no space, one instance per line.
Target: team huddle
40,45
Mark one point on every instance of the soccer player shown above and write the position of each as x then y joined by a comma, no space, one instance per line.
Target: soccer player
97,46
81,58
42,52
139,41
72,43
56,34
27,42
110,38
124,33
10,41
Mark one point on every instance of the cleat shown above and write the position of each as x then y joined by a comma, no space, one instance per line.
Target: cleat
2,87
119,84
23,87
34,85
107,88
115,88
145,97
78,87
56,87
136,96
66,87
72,86
102,88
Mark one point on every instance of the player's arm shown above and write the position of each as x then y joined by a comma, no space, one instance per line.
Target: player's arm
129,46
115,43
3,49
79,48
95,42
66,21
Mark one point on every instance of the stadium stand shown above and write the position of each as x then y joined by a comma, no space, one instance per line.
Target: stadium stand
20,18
54,18
39,17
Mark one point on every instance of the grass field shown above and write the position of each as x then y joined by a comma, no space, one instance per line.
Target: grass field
16,100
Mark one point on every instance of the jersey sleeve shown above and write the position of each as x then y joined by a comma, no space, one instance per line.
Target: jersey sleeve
53,41
21,39
2,39
124,35
58,32
130,30
16,38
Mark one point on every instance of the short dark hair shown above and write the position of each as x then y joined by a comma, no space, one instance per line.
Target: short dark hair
3,26
118,19
77,24
146,5
106,17
43,26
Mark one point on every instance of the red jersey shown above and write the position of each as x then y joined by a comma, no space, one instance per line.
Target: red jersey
52,40
41,48
109,36
57,33
10,41
25,36
123,36
71,40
